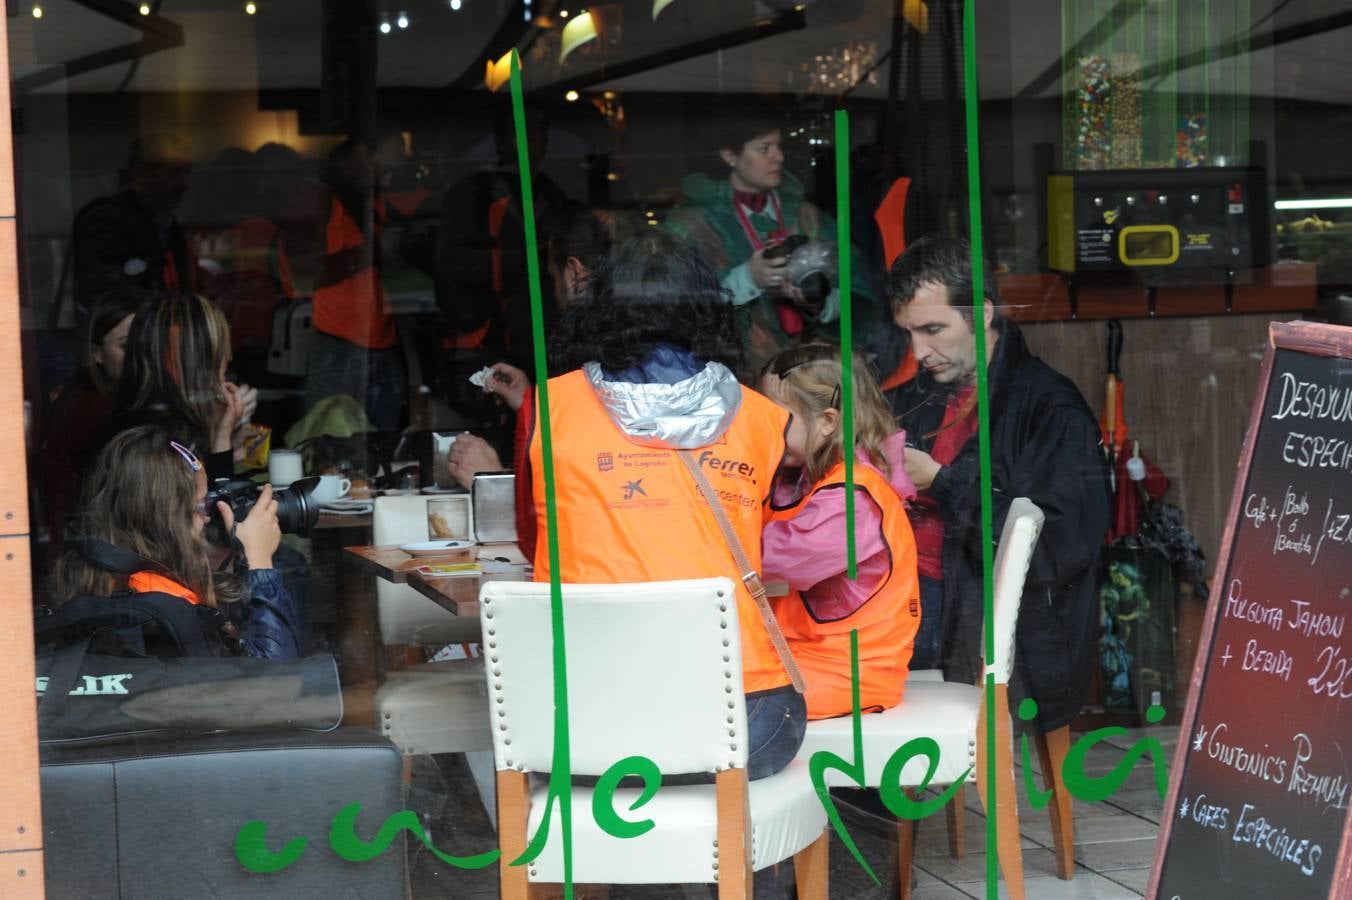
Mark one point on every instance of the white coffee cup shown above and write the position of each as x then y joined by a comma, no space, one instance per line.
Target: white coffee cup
330,488
284,467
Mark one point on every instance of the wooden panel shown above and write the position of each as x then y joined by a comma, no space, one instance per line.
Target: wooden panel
1189,387
1045,297
7,144
21,875
20,814
13,465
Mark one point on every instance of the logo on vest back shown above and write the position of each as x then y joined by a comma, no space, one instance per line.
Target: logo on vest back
733,467
604,461
634,487
91,685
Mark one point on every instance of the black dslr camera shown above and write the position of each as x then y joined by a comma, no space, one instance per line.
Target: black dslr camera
297,511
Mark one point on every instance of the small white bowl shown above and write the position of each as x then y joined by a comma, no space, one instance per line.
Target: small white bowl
437,548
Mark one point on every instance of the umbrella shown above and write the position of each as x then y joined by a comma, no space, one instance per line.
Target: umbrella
1137,482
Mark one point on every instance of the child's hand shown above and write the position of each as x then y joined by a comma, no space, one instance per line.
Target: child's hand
259,533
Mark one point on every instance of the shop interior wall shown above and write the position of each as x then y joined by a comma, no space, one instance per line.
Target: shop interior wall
1189,386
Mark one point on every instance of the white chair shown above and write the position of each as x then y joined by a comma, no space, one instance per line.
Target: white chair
439,707
654,670
954,715
407,617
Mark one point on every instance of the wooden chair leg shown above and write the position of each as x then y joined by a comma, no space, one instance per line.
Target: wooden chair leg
734,835
1051,753
956,815
1005,816
513,819
905,852
810,868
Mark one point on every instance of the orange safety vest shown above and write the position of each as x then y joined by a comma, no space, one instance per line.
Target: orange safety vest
633,513
353,307
146,582
887,622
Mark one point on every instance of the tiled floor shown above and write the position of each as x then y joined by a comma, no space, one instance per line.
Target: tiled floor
1114,843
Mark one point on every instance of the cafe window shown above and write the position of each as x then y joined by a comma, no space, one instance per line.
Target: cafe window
289,243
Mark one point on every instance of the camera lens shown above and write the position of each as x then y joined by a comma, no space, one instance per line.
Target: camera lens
297,512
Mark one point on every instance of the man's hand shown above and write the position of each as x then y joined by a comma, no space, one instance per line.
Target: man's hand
470,454
920,468
259,533
767,274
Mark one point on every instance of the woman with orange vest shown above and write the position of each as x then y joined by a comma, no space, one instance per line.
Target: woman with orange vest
804,541
649,357
354,348
140,530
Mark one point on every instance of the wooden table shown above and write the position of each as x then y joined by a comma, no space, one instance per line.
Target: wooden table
458,595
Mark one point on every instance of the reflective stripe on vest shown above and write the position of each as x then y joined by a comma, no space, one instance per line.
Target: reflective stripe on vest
633,513
887,622
352,308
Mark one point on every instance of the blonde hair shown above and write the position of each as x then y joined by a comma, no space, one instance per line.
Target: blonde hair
809,377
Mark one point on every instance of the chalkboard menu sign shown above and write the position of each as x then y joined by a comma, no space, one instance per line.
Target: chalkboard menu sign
1259,792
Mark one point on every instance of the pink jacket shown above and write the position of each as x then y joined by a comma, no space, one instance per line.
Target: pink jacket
809,550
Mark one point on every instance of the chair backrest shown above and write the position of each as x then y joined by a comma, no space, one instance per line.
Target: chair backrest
654,670
1023,524
405,616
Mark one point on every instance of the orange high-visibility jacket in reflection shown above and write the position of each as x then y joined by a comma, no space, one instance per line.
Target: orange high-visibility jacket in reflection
147,582
887,622
351,305
632,513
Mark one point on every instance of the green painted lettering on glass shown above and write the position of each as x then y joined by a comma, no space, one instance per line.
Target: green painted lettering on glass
1037,798
603,798
344,842
251,849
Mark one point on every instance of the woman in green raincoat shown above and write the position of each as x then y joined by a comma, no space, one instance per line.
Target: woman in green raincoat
735,221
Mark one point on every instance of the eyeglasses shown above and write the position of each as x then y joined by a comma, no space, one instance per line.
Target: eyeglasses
202,508
187,455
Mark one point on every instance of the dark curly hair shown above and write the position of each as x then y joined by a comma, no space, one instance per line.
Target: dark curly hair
650,289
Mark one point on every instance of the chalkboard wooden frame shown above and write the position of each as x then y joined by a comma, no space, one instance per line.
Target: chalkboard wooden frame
1314,339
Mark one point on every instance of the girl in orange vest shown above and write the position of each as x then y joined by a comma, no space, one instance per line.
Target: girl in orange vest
804,541
141,527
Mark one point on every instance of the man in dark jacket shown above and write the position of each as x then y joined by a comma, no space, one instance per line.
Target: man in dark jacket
133,238
1044,446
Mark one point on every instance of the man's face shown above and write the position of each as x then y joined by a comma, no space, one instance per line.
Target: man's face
759,166
942,340
161,178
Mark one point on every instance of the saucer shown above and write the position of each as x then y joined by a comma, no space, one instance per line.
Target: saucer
437,548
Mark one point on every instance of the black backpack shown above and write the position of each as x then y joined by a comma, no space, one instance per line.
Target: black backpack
151,624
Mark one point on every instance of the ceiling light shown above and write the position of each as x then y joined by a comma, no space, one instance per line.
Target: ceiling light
498,73
576,33
563,14
144,9
37,11
384,27
1330,203
658,6
251,8
571,96
402,20
455,5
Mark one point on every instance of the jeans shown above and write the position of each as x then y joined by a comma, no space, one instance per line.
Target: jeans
374,378
776,722
926,653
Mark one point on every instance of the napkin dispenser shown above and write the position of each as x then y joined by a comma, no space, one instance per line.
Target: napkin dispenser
493,496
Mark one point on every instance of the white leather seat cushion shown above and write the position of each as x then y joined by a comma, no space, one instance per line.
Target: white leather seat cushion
785,813
439,707
944,710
